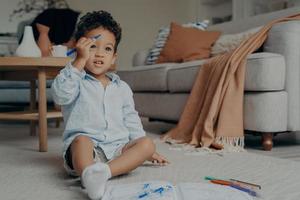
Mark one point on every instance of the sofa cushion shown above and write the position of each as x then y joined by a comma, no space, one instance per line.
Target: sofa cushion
187,44
147,78
162,37
229,42
264,72
139,58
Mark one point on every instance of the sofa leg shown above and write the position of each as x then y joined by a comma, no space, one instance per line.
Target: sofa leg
267,141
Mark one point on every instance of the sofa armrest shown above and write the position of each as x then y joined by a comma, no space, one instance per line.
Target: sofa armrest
139,58
284,39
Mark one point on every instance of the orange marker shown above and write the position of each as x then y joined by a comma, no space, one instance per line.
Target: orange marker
221,182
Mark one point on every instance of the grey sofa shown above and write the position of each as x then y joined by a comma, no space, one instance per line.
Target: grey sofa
272,85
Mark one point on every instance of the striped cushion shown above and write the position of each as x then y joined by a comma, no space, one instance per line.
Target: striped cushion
162,36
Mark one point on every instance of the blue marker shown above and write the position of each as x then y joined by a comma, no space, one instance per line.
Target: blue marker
71,51
250,192
143,195
159,190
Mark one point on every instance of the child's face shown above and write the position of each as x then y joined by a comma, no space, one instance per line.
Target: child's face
102,54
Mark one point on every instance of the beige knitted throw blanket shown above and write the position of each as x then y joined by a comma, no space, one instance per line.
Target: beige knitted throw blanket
213,114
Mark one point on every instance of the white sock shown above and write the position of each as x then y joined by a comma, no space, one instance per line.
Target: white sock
94,178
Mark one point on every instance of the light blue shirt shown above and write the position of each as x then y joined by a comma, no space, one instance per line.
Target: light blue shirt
106,115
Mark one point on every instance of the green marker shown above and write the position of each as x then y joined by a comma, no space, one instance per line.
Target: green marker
210,178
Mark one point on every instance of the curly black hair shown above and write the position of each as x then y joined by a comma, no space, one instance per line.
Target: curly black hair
97,19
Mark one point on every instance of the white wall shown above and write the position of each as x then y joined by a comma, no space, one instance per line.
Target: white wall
208,10
140,20
6,8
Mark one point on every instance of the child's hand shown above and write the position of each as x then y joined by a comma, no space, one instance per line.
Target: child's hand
83,52
157,158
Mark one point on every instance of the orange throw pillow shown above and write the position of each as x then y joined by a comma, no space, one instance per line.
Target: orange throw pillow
186,44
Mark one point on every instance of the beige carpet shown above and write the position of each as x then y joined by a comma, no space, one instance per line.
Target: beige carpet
28,175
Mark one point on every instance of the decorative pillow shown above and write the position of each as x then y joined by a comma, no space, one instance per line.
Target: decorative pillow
162,36
186,44
229,42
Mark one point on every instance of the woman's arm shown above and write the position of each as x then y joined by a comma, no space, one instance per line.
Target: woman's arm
43,41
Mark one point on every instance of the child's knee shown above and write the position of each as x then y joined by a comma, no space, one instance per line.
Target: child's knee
81,139
148,145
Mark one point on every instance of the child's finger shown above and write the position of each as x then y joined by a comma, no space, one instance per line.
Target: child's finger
91,42
165,161
87,42
81,40
160,160
80,43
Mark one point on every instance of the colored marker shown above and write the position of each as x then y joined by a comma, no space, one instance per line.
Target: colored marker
221,182
250,192
232,184
234,181
71,51
143,195
211,178
243,182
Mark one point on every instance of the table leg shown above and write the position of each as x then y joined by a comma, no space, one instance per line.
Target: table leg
32,106
42,110
57,122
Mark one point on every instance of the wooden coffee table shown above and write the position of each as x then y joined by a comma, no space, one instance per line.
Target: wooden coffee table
33,69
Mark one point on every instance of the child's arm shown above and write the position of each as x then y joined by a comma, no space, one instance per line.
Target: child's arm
65,87
131,118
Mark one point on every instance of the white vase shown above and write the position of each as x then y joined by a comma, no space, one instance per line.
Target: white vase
28,46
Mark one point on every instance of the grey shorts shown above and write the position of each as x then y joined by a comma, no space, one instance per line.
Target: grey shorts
98,154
